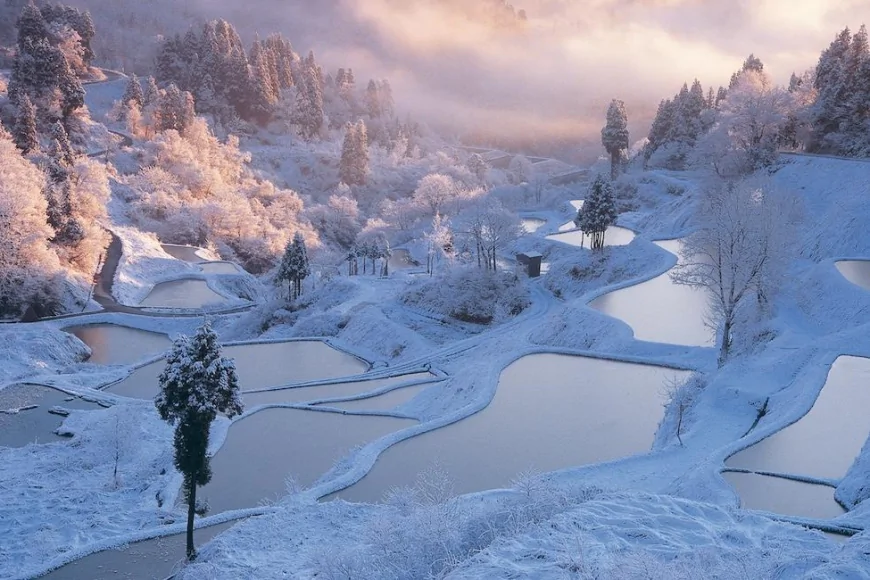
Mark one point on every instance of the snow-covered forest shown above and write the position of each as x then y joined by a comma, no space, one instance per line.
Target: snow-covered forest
274,304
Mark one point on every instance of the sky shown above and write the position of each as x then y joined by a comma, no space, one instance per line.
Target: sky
554,79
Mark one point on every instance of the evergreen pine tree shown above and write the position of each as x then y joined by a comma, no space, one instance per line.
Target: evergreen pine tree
32,27
152,93
197,384
309,101
373,100
614,135
294,267
133,91
354,163
24,132
598,212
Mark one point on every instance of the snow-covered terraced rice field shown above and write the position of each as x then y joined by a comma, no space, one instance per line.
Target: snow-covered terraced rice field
260,366
660,310
784,496
856,271
182,294
112,344
826,441
550,412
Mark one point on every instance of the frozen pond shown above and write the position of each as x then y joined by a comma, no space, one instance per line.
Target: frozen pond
784,496
550,412
219,268
856,271
119,345
182,294
660,310
147,560
184,253
531,225
34,425
826,441
260,366
263,450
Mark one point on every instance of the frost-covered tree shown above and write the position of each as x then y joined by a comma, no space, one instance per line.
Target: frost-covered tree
598,212
24,132
133,92
197,384
439,242
309,101
491,228
477,166
748,128
373,99
295,266
435,192
27,262
152,92
354,164
741,248
614,136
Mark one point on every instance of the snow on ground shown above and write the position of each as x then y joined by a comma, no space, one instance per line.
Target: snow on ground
144,264
552,526
27,350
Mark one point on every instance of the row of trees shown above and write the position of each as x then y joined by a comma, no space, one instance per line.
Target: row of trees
373,248
42,70
268,82
840,115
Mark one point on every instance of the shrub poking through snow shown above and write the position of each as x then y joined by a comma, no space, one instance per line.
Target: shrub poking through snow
471,295
196,385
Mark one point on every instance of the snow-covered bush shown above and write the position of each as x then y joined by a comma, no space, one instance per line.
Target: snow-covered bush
679,415
470,295
194,189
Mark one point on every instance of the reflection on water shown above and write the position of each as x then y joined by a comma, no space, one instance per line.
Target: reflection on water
856,271
218,268
660,310
184,253
116,345
148,560
550,412
825,442
260,366
182,294
35,425
784,496
338,390
263,450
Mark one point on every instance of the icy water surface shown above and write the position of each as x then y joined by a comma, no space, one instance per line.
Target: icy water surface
531,225
219,268
660,310
148,560
784,496
825,442
856,271
119,345
550,412
381,403
34,425
182,294
263,450
183,253
260,366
